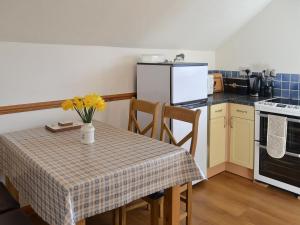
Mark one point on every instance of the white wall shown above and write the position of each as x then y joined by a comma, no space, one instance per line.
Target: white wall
188,24
116,114
271,39
43,72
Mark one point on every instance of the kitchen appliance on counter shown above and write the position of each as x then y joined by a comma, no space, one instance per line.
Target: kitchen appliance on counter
179,84
238,85
267,83
261,84
255,85
266,88
283,172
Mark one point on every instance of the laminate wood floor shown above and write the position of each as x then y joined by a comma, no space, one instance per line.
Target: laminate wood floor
226,199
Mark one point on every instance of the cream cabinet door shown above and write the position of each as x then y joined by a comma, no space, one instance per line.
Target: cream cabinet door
241,142
217,141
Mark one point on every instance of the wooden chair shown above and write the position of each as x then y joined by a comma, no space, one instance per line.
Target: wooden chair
134,126
156,200
146,107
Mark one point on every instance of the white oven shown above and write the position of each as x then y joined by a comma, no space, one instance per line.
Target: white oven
285,172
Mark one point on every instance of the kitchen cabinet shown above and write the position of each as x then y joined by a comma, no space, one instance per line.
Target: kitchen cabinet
231,139
241,135
217,134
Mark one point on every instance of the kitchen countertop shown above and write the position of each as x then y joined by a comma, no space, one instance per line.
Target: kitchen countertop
218,98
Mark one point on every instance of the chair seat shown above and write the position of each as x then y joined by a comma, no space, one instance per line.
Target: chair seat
15,217
7,202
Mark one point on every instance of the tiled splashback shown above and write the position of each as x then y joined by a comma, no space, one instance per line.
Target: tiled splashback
285,85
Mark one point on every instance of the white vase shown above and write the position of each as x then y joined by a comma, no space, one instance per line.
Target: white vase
87,133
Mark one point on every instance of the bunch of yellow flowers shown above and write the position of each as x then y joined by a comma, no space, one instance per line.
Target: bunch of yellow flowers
85,106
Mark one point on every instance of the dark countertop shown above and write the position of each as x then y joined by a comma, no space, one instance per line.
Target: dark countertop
218,98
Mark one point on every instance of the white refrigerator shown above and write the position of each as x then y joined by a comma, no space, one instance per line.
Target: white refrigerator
179,84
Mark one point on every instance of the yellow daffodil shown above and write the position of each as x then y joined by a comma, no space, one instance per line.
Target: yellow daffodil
78,103
100,105
89,101
86,106
68,104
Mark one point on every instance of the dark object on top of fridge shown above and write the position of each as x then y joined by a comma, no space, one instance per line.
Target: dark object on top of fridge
236,85
179,58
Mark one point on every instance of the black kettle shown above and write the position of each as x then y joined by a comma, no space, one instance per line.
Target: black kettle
255,82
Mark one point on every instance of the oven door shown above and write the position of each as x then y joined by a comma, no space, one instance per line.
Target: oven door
286,169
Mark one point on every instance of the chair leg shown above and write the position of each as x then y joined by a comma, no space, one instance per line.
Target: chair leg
189,204
122,215
148,207
161,213
115,217
155,212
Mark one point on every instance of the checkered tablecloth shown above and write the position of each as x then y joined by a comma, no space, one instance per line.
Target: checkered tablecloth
65,181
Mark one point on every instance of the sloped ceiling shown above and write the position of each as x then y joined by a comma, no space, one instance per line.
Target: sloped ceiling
172,24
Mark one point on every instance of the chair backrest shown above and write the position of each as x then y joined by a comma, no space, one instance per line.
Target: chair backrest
146,107
182,114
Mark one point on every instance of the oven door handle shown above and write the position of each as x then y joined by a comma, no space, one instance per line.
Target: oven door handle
288,119
287,153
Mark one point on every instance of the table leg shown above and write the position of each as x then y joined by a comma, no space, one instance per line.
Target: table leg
81,222
172,206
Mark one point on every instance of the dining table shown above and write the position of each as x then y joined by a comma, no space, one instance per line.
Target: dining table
66,182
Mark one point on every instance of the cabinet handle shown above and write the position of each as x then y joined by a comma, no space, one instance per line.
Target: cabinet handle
241,111
225,122
220,110
231,125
